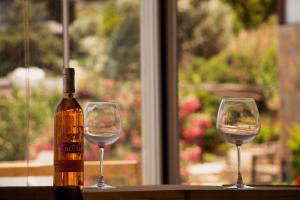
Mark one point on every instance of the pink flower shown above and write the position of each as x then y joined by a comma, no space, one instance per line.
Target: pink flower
88,155
107,82
121,138
190,106
47,147
137,104
193,133
183,142
125,113
298,180
207,123
192,154
137,141
108,147
94,148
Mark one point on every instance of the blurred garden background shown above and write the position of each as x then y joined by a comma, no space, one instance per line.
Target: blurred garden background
225,48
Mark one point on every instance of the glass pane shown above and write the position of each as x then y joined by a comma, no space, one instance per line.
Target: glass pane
105,39
105,53
101,33
227,49
45,50
14,93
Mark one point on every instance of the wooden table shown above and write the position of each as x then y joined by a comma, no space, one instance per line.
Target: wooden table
157,192
179,192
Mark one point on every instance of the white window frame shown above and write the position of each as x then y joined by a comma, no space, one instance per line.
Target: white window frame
150,81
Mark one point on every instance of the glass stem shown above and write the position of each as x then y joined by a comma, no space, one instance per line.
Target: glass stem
101,178
239,182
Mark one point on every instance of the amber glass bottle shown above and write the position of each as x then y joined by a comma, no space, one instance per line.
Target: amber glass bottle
68,136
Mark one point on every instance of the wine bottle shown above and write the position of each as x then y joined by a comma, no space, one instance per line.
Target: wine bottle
68,136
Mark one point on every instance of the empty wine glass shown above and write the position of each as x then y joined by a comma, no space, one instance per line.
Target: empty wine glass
102,126
238,123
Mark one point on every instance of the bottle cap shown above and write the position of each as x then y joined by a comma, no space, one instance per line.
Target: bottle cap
68,80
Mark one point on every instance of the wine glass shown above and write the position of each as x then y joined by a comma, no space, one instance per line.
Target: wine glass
238,123
102,126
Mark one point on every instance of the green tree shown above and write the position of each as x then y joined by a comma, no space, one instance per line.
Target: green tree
253,62
204,27
106,36
45,48
251,13
124,46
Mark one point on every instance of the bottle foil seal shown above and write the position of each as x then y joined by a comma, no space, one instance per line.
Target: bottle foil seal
68,80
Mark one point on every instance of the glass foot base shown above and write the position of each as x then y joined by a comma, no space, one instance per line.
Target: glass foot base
104,186
240,186
101,186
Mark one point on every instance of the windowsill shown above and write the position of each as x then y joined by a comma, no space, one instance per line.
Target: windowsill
193,192
153,192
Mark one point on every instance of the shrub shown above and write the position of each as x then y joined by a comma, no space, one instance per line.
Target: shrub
251,14
128,96
268,133
294,145
14,121
204,28
253,62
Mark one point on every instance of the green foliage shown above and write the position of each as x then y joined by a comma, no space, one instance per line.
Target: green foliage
251,13
294,145
236,68
212,143
108,39
204,27
267,133
251,63
110,20
124,47
14,119
267,74
13,127
45,47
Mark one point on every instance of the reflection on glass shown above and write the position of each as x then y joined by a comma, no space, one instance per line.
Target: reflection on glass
238,123
102,126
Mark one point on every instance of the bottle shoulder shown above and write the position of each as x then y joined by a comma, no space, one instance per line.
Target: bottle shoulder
66,104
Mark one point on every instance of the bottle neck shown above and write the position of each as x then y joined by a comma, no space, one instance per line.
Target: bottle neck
68,95
68,82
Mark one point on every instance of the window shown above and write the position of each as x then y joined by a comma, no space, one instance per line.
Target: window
227,49
105,51
224,49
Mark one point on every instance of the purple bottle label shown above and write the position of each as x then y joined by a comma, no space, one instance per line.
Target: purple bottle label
70,147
